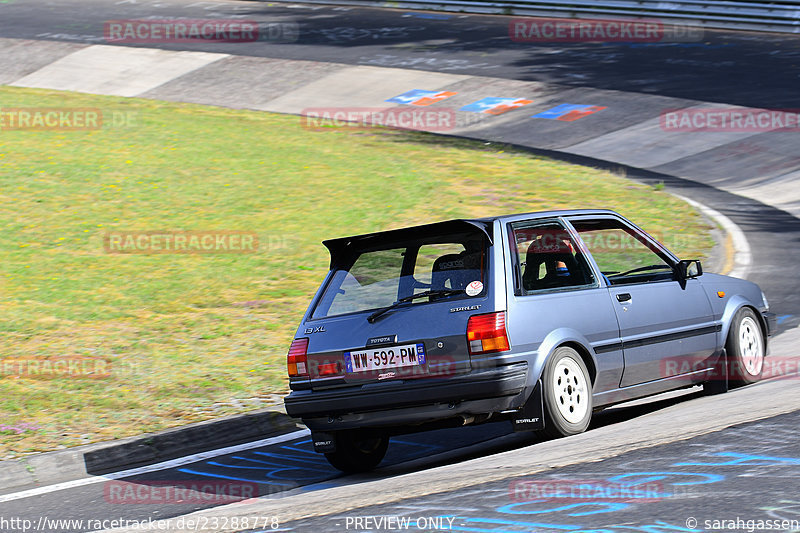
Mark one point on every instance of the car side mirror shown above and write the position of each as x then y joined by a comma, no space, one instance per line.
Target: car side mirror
689,269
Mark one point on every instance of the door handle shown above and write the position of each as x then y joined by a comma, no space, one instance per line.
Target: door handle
623,297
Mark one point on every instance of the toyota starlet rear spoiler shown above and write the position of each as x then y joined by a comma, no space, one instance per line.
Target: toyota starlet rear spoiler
345,246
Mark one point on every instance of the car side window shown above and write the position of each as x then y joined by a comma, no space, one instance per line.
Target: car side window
546,258
622,254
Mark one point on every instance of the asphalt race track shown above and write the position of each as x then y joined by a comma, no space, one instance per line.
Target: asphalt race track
749,69
745,472
291,468
673,487
277,468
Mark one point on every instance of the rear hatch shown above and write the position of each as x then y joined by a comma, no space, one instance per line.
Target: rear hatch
396,305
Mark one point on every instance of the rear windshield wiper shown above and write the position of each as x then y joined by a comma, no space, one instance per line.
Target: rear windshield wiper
443,292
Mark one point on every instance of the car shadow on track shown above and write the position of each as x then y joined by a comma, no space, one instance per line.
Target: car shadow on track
280,468
507,440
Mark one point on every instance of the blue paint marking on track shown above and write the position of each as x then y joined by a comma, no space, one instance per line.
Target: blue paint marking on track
271,463
245,467
300,465
232,478
318,486
569,112
491,103
409,97
289,466
273,471
603,507
502,522
314,461
783,318
747,460
658,476
559,111
298,443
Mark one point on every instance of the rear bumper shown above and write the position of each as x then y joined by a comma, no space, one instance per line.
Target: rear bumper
376,397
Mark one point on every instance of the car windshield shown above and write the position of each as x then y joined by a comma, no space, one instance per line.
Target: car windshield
372,279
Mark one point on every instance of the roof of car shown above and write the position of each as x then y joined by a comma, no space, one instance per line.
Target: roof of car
341,244
551,213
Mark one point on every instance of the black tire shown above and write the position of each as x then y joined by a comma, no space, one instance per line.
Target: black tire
358,450
745,348
567,394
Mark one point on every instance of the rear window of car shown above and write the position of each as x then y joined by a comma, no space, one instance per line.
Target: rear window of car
376,278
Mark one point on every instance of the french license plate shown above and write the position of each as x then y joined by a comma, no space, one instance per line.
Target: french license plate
385,357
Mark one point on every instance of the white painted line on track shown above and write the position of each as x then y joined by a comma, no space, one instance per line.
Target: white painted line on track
180,461
742,258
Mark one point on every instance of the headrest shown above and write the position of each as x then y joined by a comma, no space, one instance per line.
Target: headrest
449,262
550,244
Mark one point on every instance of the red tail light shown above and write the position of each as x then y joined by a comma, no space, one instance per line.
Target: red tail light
329,369
297,360
487,333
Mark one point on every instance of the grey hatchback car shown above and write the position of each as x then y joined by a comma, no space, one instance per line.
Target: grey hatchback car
538,318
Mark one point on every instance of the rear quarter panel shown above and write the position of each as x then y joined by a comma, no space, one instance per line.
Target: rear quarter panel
738,293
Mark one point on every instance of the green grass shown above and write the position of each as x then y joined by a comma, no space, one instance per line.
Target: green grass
191,337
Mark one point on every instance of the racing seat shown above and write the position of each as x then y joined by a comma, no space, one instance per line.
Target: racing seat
454,271
562,268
